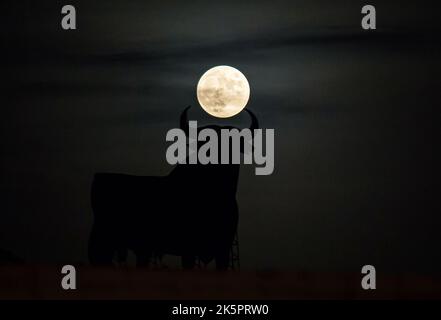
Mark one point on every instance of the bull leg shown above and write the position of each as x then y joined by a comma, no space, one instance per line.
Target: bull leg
188,262
101,248
142,257
121,256
222,258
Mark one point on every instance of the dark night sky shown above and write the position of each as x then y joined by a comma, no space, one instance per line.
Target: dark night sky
354,114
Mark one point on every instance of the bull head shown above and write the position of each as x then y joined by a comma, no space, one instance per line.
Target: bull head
184,122
254,125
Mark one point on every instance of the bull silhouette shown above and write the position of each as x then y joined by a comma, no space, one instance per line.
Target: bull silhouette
192,212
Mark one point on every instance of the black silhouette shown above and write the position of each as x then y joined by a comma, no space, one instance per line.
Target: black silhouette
192,212
9,258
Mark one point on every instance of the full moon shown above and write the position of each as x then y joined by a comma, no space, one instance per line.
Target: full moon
223,91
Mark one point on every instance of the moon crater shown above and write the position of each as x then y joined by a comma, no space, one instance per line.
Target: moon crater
223,91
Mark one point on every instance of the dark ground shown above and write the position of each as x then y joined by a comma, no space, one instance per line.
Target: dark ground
43,282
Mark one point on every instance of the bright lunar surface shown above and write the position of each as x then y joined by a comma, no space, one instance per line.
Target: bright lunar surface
223,91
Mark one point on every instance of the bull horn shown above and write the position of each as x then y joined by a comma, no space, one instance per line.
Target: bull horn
254,121
184,120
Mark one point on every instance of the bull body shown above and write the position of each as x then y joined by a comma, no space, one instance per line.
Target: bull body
192,212
187,213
